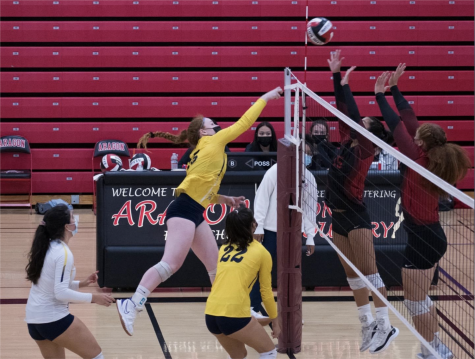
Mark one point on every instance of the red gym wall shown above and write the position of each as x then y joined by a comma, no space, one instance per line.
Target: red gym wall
76,72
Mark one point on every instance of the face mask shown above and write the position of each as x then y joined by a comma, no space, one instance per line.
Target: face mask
264,141
76,229
319,138
217,129
308,160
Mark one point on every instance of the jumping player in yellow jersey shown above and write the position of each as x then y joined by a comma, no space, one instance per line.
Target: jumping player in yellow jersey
241,261
185,223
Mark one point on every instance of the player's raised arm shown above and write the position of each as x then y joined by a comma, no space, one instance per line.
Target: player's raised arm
247,120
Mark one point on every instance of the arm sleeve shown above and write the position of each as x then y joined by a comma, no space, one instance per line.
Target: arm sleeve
185,158
242,125
403,140
408,115
311,199
265,280
341,106
353,112
74,285
262,201
62,276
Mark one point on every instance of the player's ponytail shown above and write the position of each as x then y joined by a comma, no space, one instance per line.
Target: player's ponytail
192,134
239,228
377,128
446,160
51,228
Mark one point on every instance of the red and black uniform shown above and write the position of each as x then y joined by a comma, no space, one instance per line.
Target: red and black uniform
346,177
427,242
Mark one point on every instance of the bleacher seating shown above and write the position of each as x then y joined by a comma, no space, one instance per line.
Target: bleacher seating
68,77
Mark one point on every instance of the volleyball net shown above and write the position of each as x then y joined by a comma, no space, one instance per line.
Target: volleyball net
432,297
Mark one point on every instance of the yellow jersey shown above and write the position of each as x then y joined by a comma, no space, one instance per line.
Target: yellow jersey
236,274
208,161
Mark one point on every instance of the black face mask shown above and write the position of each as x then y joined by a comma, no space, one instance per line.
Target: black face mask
217,129
264,141
319,138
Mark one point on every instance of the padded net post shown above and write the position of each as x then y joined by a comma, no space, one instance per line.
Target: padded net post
289,251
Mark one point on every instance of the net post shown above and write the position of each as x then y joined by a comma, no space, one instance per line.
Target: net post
289,251
287,102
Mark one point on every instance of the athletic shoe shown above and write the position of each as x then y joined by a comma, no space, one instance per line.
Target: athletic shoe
442,350
127,313
257,315
382,338
367,333
429,356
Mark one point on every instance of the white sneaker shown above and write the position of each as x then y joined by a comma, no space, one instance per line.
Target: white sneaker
127,314
367,333
441,349
382,338
257,315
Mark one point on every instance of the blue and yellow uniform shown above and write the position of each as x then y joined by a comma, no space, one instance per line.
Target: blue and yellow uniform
208,160
236,274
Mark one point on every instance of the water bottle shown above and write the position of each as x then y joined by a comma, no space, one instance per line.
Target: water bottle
174,161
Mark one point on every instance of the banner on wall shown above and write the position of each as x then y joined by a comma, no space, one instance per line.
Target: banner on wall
136,215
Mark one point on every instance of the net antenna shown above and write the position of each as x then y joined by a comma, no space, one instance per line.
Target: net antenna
451,293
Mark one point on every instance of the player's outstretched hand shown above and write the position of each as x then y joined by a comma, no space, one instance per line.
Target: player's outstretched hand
272,95
89,280
380,85
346,78
233,202
335,61
103,299
396,75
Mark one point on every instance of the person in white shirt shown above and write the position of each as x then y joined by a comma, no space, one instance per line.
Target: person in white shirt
265,213
51,270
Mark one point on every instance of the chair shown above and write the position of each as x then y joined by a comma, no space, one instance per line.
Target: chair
17,170
101,149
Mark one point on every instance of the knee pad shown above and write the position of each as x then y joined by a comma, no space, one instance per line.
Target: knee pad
418,307
100,356
375,280
163,270
356,283
269,355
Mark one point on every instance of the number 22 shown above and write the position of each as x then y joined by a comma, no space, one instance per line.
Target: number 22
235,258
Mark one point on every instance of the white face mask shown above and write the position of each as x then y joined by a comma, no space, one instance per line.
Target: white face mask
76,220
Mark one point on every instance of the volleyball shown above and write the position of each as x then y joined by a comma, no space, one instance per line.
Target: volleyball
111,163
319,31
140,162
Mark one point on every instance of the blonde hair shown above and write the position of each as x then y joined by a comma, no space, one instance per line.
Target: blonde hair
192,134
446,160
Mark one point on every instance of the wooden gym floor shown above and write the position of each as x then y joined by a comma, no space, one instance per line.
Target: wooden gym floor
173,325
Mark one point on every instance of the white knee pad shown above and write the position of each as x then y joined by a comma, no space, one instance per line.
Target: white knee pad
163,270
269,355
100,356
418,307
356,283
375,280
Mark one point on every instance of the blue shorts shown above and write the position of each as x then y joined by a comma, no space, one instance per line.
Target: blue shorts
50,331
225,325
186,207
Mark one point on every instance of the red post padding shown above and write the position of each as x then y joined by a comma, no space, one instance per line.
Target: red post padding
289,252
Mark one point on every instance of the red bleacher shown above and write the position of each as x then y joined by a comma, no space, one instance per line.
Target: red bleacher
219,107
232,31
219,81
48,50
236,8
228,57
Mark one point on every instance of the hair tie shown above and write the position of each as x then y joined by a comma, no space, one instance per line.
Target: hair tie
152,135
42,223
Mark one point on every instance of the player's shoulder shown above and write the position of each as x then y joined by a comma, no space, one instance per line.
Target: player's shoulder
58,249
